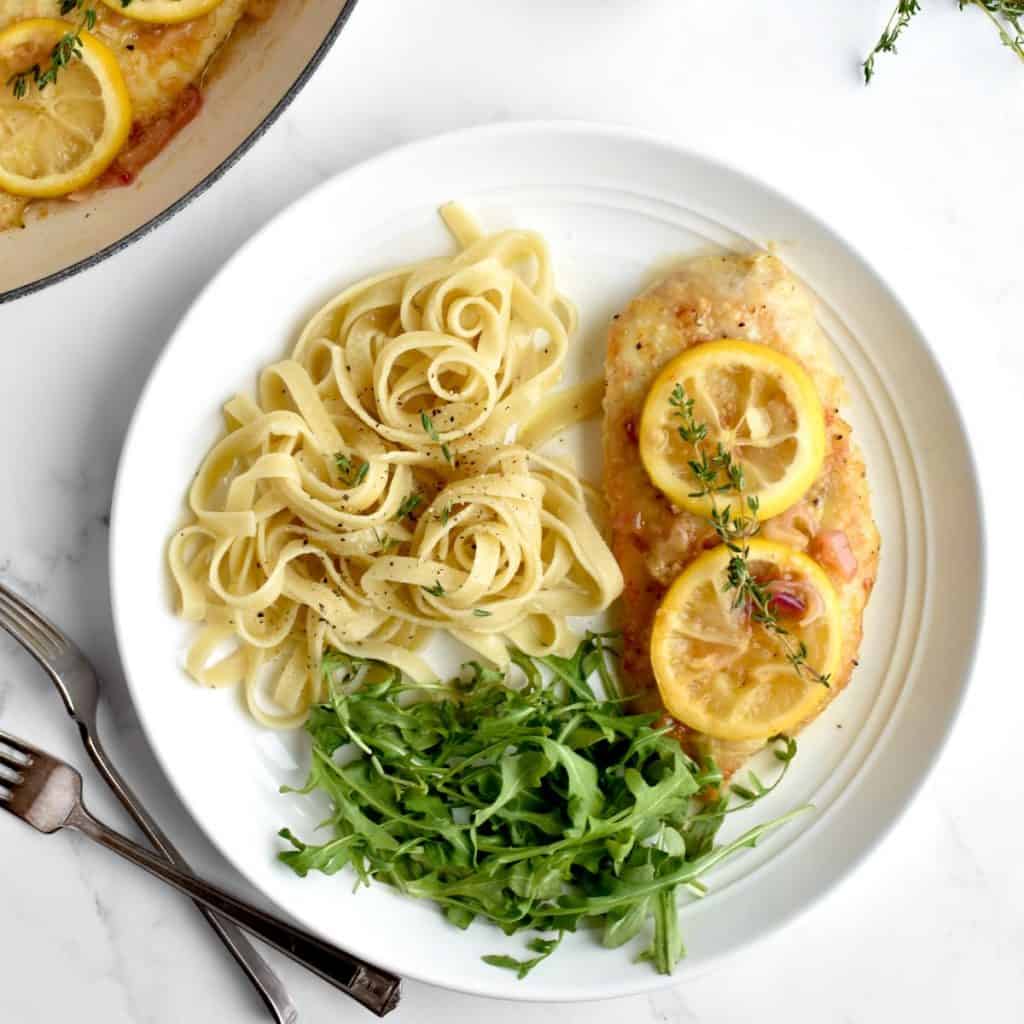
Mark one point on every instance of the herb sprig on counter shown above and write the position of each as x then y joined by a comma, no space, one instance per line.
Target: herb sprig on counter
717,474
536,807
1006,15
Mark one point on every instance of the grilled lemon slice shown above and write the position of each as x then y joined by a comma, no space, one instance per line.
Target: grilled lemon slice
760,406
60,138
163,12
725,674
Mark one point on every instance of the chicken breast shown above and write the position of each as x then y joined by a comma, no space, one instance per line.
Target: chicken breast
162,66
755,299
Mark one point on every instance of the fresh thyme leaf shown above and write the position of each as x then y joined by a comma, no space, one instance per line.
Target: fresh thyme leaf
898,21
691,431
409,504
717,474
437,590
387,541
740,790
481,613
1006,15
431,432
428,426
352,476
67,48
446,513
537,808
788,752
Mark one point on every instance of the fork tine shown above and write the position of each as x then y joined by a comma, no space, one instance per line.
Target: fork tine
17,752
36,617
13,758
26,625
10,768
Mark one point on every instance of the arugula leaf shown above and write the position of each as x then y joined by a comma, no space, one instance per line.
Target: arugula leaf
624,924
537,807
584,794
666,949
329,858
519,774
544,947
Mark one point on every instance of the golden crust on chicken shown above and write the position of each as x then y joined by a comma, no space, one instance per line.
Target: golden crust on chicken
751,298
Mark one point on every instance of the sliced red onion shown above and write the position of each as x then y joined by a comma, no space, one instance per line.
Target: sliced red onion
785,599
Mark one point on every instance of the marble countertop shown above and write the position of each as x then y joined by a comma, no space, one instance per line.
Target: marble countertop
921,172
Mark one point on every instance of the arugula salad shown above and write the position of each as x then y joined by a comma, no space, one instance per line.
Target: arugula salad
524,799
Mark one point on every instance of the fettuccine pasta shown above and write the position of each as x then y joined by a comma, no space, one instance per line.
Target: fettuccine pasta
375,492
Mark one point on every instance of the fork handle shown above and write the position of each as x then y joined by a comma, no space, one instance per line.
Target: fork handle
258,971
376,989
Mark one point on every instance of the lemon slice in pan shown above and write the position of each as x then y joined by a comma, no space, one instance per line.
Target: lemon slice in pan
164,12
58,138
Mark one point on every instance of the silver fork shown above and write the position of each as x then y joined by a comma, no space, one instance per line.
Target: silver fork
78,686
46,793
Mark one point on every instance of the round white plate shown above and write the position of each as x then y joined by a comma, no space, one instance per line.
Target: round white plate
615,206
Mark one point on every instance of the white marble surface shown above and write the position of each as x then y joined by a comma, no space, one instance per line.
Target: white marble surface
921,172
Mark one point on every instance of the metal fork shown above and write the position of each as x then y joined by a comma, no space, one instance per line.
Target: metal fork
78,685
46,793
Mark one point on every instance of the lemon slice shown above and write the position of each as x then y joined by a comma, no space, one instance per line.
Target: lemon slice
163,12
726,675
758,404
58,139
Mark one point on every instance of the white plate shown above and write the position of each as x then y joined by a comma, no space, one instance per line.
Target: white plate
614,205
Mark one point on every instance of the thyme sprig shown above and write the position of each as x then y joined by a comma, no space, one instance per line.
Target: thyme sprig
716,474
1006,15
751,594
65,50
898,21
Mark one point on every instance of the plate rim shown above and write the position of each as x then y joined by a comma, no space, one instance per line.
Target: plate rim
629,134
203,184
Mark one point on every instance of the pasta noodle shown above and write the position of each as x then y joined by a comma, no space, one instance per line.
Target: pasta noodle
376,492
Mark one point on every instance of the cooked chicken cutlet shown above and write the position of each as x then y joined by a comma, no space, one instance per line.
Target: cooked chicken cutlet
755,299
161,64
